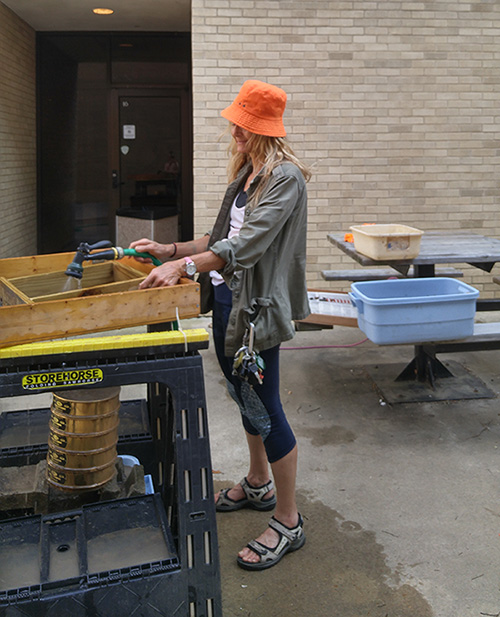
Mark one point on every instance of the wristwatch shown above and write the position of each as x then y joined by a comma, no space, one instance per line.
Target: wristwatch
190,266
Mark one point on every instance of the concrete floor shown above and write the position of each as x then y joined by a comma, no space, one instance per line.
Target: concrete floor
400,500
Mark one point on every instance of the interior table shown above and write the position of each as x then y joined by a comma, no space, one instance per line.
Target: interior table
422,378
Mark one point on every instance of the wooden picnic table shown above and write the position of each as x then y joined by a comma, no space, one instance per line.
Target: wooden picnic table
437,247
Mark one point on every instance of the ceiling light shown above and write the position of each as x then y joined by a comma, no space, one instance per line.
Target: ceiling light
103,11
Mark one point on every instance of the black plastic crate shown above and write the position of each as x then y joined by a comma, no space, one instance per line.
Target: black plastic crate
102,556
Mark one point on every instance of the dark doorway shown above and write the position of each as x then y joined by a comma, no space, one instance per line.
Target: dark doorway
115,138
147,159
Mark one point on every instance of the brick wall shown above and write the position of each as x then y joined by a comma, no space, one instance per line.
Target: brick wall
394,103
17,136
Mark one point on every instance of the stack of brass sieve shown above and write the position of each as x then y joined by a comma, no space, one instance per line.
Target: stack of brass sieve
83,434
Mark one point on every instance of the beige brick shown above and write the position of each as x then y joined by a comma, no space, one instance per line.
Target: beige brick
18,235
394,103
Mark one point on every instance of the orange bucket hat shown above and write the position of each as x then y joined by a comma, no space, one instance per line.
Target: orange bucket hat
258,108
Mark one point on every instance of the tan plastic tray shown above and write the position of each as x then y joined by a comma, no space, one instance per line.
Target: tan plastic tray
384,242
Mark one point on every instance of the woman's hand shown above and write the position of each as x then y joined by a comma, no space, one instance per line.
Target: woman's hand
144,245
166,275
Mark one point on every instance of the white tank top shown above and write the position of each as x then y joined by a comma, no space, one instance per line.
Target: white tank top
235,223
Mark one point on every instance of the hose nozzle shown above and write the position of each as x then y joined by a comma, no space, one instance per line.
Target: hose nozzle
109,255
75,268
83,253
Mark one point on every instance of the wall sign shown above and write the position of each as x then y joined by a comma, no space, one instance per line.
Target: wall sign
129,131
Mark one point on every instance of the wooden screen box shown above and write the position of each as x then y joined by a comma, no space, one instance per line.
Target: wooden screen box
40,302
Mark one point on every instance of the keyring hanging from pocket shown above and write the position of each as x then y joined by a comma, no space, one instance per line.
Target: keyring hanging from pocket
248,364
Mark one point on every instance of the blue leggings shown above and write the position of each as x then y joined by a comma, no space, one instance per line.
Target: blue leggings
260,406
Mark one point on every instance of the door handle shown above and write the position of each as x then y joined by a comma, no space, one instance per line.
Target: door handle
115,182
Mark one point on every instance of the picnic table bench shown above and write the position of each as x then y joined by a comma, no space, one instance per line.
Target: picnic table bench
378,274
485,336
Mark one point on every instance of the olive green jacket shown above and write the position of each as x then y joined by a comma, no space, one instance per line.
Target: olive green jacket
266,262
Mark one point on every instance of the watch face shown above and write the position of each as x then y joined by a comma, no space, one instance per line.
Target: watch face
190,268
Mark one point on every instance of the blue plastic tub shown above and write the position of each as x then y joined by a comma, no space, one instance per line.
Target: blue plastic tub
414,310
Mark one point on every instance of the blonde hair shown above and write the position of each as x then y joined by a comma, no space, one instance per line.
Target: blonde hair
271,150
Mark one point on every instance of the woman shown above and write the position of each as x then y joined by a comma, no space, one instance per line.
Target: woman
256,256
